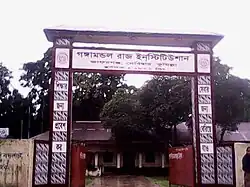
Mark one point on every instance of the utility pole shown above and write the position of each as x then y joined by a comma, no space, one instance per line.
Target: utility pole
29,122
21,134
42,114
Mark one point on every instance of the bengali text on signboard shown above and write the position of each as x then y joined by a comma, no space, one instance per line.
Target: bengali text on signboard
134,61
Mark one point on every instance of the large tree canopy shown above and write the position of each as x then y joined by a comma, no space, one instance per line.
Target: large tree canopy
91,91
232,96
5,76
150,111
165,101
13,107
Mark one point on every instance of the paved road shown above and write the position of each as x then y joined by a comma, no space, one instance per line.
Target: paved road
121,181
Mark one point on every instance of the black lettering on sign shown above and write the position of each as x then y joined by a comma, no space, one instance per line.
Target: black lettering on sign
61,86
96,55
60,125
142,56
11,155
204,108
60,106
59,147
204,128
182,58
124,56
205,148
204,89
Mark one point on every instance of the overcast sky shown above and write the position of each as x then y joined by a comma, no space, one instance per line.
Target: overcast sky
22,23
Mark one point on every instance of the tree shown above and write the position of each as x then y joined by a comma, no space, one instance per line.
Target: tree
231,98
91,91
5,77
21,108
150,112
162,97
166,101
124,114
37,76
13,107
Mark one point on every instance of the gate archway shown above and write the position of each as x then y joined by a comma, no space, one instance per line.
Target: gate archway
194,62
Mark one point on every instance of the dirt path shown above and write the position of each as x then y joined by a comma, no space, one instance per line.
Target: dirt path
121,181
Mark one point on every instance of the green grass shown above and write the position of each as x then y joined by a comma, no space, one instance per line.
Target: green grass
88,180
161,181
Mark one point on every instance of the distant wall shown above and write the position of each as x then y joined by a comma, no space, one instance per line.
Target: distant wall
240,150
145,164
157,162
16,163
105,164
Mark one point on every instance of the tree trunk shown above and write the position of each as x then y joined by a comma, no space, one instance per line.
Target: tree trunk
223,131
174,136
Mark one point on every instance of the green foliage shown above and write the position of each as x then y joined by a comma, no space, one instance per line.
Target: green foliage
13,106
160,181
148,112
165,101
89,181
124,114
151,111
5,77
231,98
91,91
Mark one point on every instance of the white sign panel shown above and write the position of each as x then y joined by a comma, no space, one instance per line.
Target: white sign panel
203,63
205,109
207,148
206,128
60,126
61,86
60,105
93,59
59,147
204,89
4,132
62,58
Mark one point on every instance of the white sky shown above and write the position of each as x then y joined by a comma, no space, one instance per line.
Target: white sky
22,23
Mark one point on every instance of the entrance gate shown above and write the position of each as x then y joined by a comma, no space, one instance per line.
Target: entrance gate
195,62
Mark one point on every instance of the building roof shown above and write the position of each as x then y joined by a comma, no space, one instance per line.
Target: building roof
94,131
84,131
139,36
241,135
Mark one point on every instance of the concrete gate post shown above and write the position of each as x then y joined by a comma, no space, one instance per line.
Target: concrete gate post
61,113
204,132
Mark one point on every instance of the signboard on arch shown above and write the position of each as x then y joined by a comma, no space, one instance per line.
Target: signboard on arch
133,61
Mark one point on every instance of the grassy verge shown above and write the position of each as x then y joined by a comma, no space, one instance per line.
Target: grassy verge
162,182
88,181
